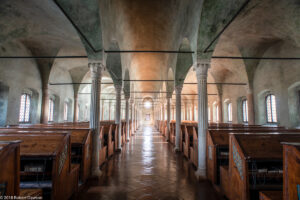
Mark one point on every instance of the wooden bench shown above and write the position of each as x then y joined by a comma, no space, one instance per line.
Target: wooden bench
9,168
45,163
81,144
291,171
255,163
217,147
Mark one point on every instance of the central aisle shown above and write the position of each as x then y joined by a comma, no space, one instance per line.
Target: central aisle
148,169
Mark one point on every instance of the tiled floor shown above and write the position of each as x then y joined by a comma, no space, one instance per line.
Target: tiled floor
148,169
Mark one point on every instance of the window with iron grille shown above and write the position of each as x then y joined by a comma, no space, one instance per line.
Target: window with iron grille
65,111
51,110
245,110
24,114
271,109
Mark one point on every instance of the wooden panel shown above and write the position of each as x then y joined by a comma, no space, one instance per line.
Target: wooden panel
291,163
225,181
9,168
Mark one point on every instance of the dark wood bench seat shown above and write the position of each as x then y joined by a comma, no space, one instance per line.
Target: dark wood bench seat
45,160
81,147
256,163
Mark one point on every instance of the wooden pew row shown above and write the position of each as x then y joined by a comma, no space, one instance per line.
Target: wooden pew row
81,139
81,144
45,163
217,149
255,164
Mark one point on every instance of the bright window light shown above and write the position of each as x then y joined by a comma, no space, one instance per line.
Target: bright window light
147,104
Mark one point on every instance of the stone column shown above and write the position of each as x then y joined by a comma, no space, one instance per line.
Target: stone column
185,111
132,117
178,90
102,110
118,115
201,72
173,108
76,108
220,106
96,70
136,117
251,113
127,118
168,117
45,105
109,110
193,111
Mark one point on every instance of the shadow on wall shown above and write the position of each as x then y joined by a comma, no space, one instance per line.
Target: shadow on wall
3,103
294,104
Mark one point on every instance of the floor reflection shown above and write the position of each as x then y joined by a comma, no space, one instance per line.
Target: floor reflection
148,169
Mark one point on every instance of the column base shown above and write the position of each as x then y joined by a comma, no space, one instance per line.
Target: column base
176,150
201,174
96,173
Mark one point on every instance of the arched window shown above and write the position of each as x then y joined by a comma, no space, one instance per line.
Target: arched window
245,110
217,113
24,114
51,110
271,109
65,111
229,112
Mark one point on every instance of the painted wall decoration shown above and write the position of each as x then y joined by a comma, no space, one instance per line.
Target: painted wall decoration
237,160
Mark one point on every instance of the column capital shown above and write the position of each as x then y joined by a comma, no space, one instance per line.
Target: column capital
118,88
95,67
178,89
169,95
202,67
127,98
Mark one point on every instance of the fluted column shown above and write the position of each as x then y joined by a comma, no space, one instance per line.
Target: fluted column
220,106
45,105
102,110
132,117
251,113
127,118
201,72
118,89
96,70
178,90
168,117
75,118
193,112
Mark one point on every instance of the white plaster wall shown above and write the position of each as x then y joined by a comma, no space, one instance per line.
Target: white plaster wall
276,76
63,92
19,74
